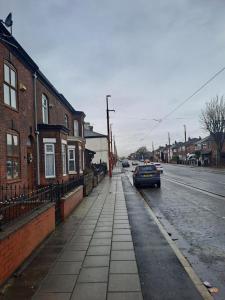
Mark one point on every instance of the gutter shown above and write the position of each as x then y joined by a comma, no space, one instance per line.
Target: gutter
36,130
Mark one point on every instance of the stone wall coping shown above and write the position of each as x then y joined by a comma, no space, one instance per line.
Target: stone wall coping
71,193
19,223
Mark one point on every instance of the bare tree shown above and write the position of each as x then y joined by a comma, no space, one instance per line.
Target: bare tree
213,121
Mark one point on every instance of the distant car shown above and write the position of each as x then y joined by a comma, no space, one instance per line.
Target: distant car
159,167
125,163
134,163
146,175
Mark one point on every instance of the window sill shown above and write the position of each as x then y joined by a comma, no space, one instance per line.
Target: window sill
9,181
10,107
72,173
51,177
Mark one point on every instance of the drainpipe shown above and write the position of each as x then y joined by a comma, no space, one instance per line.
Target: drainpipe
36,130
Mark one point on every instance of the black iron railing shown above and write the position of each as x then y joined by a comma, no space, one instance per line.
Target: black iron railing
17,201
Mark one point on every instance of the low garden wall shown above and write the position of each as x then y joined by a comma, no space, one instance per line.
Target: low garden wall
19,240
70,201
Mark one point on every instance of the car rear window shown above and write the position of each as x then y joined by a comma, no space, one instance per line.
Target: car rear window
147,168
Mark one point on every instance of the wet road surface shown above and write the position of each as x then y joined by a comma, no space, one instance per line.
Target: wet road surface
190,208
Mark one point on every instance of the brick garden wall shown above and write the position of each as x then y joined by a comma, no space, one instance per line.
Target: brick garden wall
70,202
17,245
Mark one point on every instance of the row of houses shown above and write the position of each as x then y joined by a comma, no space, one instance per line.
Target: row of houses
47,153
194,150
42,136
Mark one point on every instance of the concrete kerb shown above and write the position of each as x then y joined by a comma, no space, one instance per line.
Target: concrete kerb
190,271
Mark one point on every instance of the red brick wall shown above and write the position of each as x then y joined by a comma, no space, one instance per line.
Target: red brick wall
17,246
22,118
71,201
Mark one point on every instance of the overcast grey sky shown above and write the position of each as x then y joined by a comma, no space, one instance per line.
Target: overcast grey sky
149,55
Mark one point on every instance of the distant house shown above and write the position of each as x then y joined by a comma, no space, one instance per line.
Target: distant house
96,142
207,150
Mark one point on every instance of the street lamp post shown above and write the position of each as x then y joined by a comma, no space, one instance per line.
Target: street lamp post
108,133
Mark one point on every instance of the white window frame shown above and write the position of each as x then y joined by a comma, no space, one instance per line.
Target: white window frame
76,127
45,116
10,86
80,160
74,159
53,153
64,160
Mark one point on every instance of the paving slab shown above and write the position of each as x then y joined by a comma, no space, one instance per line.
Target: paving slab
52,296
96,261
122,246
123,255
121,231
59,283
103,228
124,283
89,291
123,267
72,256
102,235
95,274
98,250
100,242
71,267
122,238
125,296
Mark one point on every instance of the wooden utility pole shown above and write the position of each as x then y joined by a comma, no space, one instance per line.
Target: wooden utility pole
169,146
185,140
153,150
111,147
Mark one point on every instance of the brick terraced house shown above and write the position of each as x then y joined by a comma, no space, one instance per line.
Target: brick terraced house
41,134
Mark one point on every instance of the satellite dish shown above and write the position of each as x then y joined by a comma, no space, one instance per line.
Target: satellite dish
8,21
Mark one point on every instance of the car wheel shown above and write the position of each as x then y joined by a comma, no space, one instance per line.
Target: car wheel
159,184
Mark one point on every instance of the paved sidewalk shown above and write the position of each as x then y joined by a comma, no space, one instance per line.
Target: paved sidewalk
98,262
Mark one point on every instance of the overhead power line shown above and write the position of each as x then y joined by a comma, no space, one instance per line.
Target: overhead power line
190,97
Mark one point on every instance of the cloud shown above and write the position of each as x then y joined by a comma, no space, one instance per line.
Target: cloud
149,55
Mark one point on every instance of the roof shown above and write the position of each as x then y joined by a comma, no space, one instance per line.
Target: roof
90,151
12,44
93,134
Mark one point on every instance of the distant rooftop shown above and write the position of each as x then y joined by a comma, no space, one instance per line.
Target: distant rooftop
89,133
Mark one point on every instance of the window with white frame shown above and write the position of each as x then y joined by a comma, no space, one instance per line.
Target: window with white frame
64,159
80,160
49,160
13,156
76,128
44,109
71,160
9,86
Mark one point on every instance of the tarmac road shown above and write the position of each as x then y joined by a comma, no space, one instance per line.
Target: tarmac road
190,208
